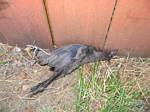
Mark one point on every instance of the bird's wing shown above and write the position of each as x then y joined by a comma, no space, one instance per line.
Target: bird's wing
63,56
59,58
67,55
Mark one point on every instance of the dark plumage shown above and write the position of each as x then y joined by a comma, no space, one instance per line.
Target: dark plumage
67,59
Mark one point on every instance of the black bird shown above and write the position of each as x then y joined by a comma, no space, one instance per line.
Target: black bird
65,60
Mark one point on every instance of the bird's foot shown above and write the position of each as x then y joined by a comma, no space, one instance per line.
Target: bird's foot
36,89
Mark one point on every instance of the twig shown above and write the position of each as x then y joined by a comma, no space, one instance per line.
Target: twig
6,69
11,81
26,98
4,99
141,90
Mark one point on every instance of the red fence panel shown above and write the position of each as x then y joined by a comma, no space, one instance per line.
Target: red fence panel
77,21
130,29
80,21
23,22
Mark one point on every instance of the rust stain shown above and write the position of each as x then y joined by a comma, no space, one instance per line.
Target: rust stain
3,5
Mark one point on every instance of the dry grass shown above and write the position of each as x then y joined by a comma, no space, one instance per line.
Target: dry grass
119,87
17,76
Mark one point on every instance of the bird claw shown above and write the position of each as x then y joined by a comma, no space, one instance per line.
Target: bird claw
35,89
40,87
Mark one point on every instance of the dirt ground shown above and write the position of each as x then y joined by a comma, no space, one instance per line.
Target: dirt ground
17,75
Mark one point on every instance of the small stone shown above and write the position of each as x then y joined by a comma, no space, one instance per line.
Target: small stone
25,87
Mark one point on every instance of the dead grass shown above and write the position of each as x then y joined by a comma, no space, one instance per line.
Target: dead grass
17,76
119,87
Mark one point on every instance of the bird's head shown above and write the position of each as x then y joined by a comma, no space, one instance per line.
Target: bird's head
110,54
105,54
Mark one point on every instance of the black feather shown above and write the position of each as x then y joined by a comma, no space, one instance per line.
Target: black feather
67,59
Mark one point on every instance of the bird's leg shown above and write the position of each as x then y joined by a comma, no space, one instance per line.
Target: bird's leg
70,68
42,85
57,73
67,69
